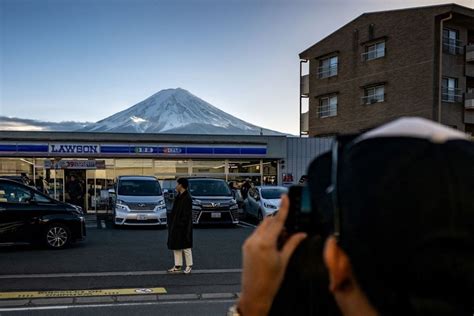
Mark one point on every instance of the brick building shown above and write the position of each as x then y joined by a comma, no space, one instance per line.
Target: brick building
384,65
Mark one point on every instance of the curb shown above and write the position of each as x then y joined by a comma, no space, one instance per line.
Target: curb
16,303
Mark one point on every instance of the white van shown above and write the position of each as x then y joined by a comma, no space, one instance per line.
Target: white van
139,200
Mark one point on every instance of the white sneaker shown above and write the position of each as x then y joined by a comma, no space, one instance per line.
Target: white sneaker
188,269
175,269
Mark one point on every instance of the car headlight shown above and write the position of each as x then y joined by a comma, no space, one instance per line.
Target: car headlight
197,205
234,206
161,203
121,205
270,206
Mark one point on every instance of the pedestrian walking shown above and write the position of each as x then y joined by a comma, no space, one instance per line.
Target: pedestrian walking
180,228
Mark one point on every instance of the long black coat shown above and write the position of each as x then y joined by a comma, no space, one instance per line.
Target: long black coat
180,223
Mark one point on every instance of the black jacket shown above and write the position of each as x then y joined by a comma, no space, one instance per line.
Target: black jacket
180,223
74,189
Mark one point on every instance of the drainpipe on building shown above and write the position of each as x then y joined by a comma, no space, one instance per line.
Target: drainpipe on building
440,69
301,93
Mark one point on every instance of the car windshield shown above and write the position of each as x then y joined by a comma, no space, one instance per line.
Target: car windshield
139,188
168,184
273,193
209,187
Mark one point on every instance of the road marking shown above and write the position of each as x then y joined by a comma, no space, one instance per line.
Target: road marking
110,274
81,293
245,224
61,307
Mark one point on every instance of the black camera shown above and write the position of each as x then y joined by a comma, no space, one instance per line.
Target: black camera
301,217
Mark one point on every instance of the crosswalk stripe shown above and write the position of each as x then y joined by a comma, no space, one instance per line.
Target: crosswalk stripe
81,293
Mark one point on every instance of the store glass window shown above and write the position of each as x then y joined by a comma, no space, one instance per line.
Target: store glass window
242,167
270,172
134,167
16,166
171,167
208,167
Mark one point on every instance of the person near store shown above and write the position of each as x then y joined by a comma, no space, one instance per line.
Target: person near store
245,188
74,190
180,228
42,185
26,180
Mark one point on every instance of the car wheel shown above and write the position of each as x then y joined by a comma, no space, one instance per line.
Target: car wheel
260,215
57,236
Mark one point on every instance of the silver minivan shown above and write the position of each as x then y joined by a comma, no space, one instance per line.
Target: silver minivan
138,200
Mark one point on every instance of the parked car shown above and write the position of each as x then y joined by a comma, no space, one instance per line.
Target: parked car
213,201
138,200
18,179
29,216
263,201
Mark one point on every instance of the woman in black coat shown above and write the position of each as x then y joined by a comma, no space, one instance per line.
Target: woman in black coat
180,228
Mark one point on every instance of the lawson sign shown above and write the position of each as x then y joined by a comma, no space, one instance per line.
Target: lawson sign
74,148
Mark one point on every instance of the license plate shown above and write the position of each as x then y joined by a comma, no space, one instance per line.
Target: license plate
141,217
215,215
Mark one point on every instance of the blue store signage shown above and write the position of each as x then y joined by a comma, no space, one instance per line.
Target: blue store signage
65,149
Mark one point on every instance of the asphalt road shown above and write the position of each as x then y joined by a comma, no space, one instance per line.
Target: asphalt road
128,258
127,249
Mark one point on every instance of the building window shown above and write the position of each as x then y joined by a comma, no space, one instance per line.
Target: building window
451,43
328,67
374,94
450,91
374,51
327,106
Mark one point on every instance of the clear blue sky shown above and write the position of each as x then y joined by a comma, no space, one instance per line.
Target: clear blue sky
87,59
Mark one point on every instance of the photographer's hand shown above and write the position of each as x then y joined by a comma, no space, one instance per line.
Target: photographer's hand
264,265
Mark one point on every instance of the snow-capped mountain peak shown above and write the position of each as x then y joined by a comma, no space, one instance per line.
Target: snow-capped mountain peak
175,111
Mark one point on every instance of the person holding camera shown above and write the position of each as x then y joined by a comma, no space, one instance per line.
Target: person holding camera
402,218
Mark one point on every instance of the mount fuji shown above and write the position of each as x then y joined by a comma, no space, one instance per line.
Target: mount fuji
175,111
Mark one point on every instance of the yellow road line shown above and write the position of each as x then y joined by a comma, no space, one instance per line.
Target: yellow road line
82,293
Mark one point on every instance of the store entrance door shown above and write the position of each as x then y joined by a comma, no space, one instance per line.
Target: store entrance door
75,187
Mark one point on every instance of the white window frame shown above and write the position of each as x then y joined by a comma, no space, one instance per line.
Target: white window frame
374,51
374,94
328,67
329,109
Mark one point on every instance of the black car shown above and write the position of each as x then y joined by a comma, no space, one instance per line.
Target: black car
18,179
213,202
28,216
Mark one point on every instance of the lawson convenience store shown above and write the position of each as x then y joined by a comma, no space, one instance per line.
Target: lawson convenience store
96,159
